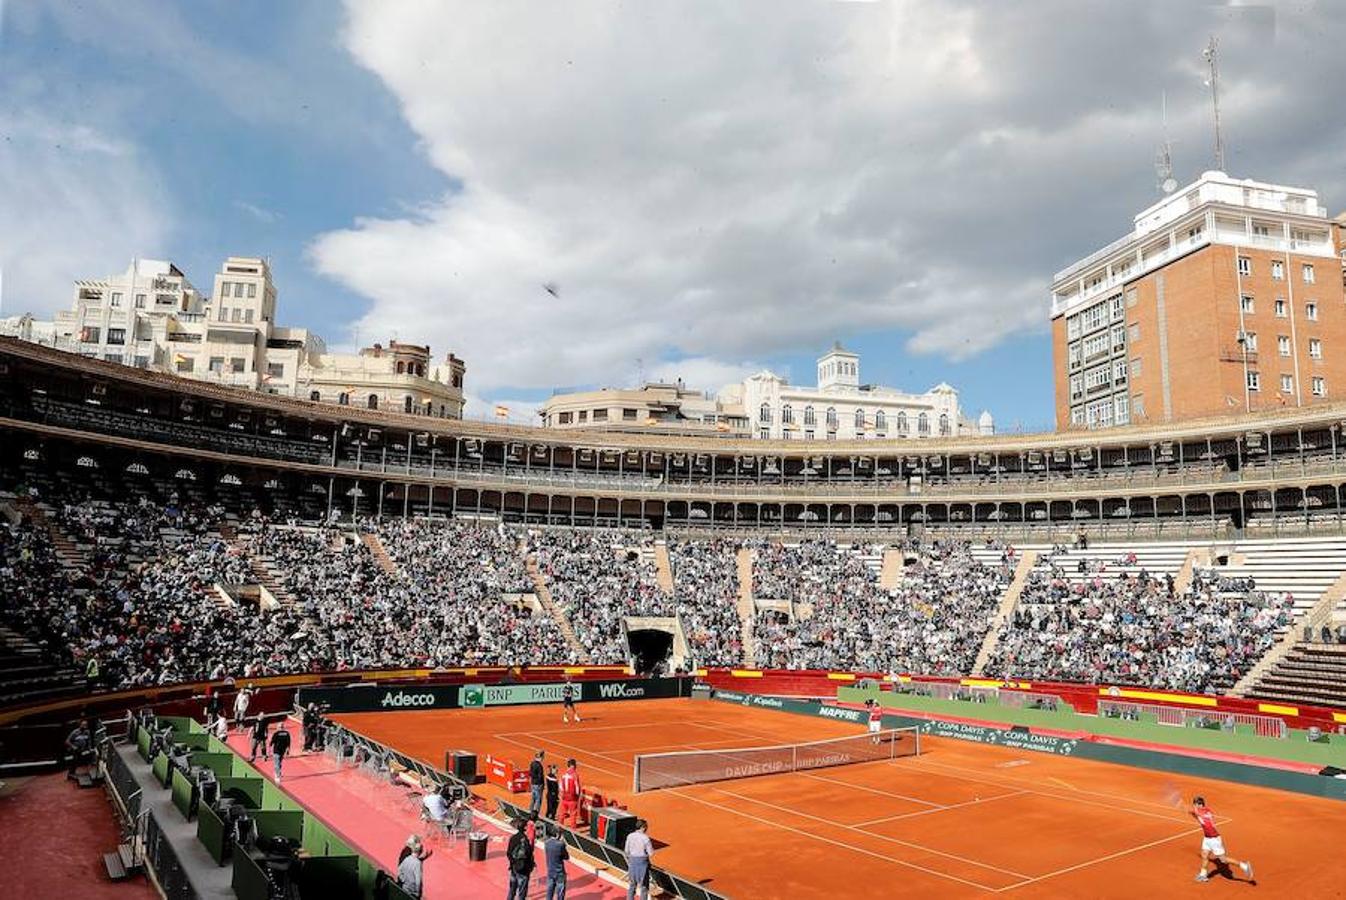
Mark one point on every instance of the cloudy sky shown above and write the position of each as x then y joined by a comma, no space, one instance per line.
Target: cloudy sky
712,187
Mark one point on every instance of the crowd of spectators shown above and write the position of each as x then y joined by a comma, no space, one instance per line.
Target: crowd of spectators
933,621
1136,628
705,590
597,579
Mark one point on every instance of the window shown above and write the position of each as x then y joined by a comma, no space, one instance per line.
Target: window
787,414
216,364
1097,378
184,364
1193,237
1138,407
1254,381
1076,356
1077,416
809,435
809,420
247,315
763,434
1247,303
923,424
1245,265
252,290
142,362
880,421
113,357
1119,372
277,370
224,289
1122,414
600,415
1134,368
1115,306
1095,345
1280,308
1249,341
238,289
1073,327
1311,311
140,301
237,364
372,401
764,415
859,419
629,415
1315,348
1076,387
944,425
1283,344
565,418
1118,337
1319,386
91,334
1094,316
407,402
1307,270
1133,332
344,399
832,418
315,396
1130,297
1287,384
1277,269
902,422
116,335
116,299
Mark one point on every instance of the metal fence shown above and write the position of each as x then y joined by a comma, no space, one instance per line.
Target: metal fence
1181,717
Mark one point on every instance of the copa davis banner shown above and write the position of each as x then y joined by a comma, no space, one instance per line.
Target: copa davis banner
385,697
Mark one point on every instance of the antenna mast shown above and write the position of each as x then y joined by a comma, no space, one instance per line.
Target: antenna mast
1163,160
1210,54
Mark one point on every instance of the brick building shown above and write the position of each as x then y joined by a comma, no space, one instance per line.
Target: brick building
1226,297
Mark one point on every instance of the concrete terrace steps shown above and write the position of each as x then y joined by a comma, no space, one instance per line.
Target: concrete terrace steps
746,607
890,573
379,552
663,567
72,557
1269,667
544,598
1302,567
268,576
1309,673
1008,601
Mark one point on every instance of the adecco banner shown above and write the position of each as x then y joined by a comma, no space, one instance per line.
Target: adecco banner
390,698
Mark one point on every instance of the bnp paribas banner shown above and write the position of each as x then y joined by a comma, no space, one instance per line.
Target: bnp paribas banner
476,696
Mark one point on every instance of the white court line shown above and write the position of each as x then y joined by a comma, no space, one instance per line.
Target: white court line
926,812
881,837
1094,862
958,772
870,790
826,840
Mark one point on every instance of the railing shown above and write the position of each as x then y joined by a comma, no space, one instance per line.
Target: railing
1179,717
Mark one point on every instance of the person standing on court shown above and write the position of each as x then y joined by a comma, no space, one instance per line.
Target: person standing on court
260,729
638,852
571,791
241,701
556,853
519,855
553,792
280,745
536,783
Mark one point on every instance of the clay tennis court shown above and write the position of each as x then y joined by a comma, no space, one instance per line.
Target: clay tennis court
960,820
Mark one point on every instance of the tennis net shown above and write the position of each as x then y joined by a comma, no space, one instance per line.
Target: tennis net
664,770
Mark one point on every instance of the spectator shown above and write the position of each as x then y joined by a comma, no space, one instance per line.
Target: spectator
536,777
280,746
553,791
556,853
411,866
638,850
519,855
259,736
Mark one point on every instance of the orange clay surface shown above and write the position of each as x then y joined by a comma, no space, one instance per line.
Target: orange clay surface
961,820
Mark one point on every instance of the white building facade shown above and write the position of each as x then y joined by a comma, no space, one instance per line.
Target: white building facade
152,317
840,407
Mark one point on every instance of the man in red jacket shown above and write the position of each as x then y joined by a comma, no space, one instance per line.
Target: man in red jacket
571,792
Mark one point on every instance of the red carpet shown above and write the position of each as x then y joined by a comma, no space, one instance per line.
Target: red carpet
55,836
377,819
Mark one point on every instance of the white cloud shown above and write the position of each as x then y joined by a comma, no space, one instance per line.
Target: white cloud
75,202
720,182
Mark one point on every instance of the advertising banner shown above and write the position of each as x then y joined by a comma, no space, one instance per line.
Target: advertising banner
391,698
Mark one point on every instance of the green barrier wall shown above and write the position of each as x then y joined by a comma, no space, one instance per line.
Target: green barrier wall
251,787
182,793
219,763
1294,748
160,768
143,743
279,823
335,877
210,832
249,881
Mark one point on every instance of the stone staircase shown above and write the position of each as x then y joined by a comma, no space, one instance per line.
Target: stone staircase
663,569
68,553
1008,600
746,607
1196,557
264,570
891,572
379,552
1318,615
544,598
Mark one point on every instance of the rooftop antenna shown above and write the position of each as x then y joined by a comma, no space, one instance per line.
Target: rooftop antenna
1163,160
640,371
1210,54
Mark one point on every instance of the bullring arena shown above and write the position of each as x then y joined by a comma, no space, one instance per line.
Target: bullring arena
1079,632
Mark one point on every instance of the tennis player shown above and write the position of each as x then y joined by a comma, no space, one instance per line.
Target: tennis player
875,719
1212,845
568,702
